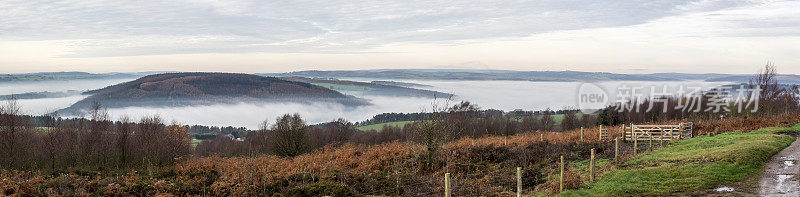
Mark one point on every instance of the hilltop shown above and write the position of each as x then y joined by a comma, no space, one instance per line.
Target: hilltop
172,89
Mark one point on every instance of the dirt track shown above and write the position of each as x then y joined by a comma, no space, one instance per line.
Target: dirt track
780,176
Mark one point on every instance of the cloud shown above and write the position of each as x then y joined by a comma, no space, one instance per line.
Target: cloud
130,28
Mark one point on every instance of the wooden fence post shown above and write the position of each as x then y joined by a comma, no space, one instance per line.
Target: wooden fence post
591,167
541,137
505,140
561,177
635,140
519,181
446,184
600,133
651,142
581,134
616,148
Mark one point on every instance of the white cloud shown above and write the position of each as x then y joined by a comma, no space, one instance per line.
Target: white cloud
87,34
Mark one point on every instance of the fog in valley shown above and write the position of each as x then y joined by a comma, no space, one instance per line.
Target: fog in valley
503,95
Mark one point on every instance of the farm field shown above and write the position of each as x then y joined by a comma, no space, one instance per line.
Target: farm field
377,127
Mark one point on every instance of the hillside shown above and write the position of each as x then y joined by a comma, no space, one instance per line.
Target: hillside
208,88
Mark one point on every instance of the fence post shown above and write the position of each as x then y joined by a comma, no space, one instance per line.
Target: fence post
446,184
591,167
651,142
541,137
635,140
581,134
519,181
600,133
616,148
505,140
561,177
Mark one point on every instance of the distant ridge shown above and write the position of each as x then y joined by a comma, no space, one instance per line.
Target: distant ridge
47,76
459,74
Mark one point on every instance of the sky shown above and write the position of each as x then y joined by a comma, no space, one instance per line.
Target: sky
646,36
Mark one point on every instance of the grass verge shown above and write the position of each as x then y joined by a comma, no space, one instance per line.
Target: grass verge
691,165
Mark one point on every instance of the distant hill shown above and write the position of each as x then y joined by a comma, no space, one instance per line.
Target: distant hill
177,89
39,95
45,76
372,88
782,79
687,76
434,74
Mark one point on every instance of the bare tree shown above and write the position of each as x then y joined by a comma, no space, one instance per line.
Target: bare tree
123,133
290,136
52,138
570,120
547,122
432,131
770,90
151,129
10,126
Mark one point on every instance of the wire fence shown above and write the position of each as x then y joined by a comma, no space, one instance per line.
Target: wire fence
478,177
502,180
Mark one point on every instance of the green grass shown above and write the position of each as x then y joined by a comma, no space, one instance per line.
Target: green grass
379,126
691,165
195,142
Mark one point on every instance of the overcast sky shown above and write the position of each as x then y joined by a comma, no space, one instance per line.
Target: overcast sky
277,36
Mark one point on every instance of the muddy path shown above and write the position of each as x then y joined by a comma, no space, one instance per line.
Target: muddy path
780,176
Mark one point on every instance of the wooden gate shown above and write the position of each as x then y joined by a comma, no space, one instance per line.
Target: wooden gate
659,132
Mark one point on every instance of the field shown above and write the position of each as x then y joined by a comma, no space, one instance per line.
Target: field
692,165
377,127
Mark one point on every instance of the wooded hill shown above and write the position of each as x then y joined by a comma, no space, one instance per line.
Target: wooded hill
207,88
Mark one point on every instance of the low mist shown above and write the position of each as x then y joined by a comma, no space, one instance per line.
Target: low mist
250,115
503,95
58,85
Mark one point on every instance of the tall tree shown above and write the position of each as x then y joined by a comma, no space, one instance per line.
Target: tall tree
547,122
290,136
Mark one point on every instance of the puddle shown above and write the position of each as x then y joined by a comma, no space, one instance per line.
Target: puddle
788,164
783,177
724,189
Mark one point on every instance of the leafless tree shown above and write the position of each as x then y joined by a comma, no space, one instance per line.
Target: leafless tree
10,126
289,136
770,89
547,121
123,134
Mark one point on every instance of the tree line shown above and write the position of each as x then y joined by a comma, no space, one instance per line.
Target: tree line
291,136
773,99
94,143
